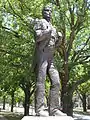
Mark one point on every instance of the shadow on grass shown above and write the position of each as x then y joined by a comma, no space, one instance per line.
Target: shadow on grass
82,113
11,116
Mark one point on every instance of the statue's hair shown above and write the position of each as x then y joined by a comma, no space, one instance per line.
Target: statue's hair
47,7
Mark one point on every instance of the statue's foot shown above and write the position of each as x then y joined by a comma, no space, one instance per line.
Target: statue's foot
42,113
57,113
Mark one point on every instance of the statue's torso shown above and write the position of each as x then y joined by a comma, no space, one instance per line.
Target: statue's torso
45,49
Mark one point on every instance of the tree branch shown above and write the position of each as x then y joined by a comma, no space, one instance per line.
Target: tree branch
13,53
79,52
12,31
32,91
71,14
78,82
21,18
72,37
79,95
72,34
14,11
57,3
77,63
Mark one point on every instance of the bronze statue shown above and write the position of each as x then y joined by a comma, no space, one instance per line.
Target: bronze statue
46,40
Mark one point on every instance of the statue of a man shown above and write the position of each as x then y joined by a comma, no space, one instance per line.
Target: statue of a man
46,40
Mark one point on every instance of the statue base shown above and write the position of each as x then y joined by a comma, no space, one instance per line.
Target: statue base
47,118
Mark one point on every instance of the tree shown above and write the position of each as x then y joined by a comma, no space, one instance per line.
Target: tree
71,20
17,49
84,91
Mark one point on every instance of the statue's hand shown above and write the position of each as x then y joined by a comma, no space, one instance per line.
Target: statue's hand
59,41
59,35
47,31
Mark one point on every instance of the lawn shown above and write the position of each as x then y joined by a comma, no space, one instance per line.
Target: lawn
80,111
11,116
16,116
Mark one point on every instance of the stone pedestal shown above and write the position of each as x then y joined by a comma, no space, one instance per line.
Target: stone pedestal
47,118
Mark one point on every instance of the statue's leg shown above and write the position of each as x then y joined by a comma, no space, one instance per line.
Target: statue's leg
40,89
54,92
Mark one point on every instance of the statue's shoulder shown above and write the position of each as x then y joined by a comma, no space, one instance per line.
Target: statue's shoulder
36,20
40,23
37,24
43,21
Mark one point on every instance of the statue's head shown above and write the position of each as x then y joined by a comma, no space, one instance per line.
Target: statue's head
46,12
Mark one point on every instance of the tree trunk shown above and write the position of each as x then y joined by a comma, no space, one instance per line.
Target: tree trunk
84,102
66,94
12,101
64,101
27,101
3,102
88,102
64,80
67,103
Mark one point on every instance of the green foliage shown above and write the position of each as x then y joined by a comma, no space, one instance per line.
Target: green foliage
70,17
19,96
84,88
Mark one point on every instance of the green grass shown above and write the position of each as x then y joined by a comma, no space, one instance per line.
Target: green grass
80,111
16,116
11,116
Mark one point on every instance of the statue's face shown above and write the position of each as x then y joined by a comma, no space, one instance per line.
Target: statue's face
47,13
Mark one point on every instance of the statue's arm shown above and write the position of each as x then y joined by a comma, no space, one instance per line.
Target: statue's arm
41,33
59,40
29,20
